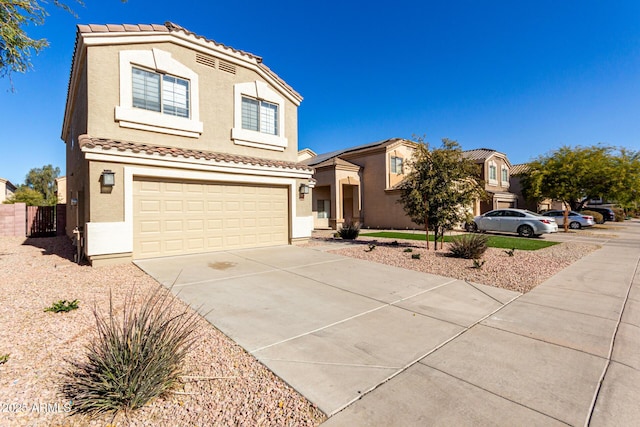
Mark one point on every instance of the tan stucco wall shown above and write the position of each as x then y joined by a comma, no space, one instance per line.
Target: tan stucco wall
303,203
500,162
216,94
403,152
107,203
76,166
379,207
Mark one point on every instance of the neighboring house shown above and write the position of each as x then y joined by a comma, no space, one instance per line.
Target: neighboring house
359,184
516,187
7,189
495,171
177,144
61,189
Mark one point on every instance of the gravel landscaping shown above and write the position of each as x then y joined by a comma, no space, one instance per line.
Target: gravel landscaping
520,272
224,384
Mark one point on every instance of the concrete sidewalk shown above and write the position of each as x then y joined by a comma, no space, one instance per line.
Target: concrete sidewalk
372,344
568,352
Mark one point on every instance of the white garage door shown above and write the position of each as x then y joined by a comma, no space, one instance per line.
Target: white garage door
174,218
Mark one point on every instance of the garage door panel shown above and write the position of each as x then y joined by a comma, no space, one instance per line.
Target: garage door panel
174,217
150,226
173,225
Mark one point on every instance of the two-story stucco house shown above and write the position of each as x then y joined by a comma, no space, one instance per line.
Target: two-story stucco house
177,144
359,184
495,171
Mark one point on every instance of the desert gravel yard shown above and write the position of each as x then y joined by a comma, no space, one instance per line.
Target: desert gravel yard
225,385
520,272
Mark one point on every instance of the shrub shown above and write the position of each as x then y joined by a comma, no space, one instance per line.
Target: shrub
349,230
478,263
63,306
469,246
619,214
415,256
4,358
597,216
408,250
131,360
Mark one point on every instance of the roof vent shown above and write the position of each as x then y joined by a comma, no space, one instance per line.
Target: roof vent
206,60
225,66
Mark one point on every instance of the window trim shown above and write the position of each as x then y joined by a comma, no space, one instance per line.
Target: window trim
262,92
493,166
393,165
504,176
159,61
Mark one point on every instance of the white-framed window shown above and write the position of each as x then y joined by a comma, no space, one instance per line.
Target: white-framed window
161,93
158,93
396,165
504,176
324,209
259,116
493,173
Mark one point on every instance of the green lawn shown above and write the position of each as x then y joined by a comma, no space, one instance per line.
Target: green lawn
493,242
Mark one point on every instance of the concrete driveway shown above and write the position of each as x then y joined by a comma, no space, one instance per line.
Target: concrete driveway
377,345
332,327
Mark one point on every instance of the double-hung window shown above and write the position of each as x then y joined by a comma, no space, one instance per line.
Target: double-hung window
493,173
396,165
260,116
160,92
505,176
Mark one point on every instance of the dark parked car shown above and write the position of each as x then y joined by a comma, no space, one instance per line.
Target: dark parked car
607,214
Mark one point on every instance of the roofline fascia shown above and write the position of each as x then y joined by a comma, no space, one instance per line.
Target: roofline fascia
181,162
191,41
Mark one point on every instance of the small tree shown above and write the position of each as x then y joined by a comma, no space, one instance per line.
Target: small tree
43,180
442,182
26,195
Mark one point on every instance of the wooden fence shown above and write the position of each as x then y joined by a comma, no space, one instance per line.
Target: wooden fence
45,221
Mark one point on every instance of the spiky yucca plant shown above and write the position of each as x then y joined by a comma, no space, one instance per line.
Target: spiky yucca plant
133,359
349,230
469,246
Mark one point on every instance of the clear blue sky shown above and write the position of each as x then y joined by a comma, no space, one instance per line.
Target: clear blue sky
521,77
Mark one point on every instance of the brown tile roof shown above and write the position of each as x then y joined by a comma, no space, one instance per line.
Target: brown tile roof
167,27
519,169
479,153
133,147
320,158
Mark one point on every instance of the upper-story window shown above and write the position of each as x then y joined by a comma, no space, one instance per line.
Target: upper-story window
162,93
505,176
158,93
396,165
493,173
260,116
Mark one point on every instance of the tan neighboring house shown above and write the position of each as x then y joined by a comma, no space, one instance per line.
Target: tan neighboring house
516,187
7,189
495,171
177,144
61,189
359,184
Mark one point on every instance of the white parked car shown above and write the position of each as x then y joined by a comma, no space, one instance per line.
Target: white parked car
576,220
523,222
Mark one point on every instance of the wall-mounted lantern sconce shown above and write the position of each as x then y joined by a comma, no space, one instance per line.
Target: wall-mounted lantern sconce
304,189
108,178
